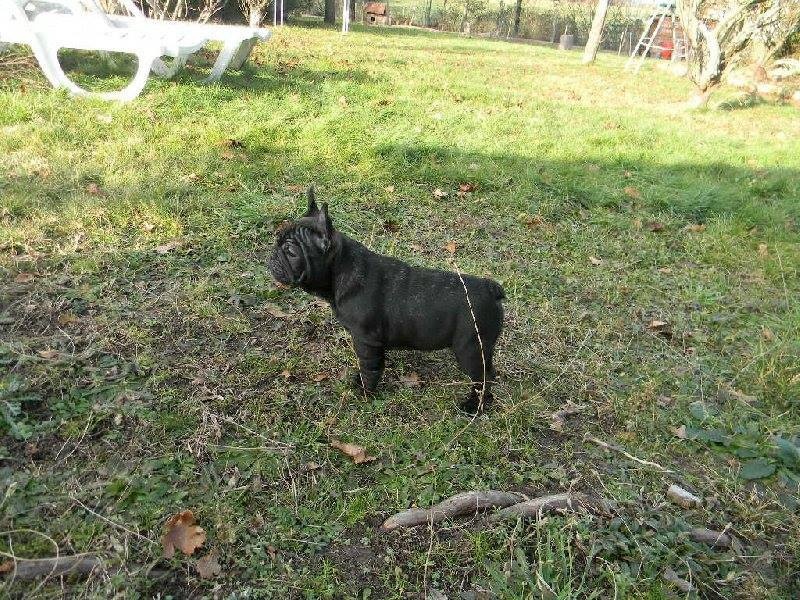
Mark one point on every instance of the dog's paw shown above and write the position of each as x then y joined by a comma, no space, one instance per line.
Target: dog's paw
357,384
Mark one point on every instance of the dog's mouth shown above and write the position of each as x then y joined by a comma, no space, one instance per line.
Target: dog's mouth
279,273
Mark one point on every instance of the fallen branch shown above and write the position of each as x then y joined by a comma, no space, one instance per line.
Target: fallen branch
715,539
535,507
625,453
27,568
455,506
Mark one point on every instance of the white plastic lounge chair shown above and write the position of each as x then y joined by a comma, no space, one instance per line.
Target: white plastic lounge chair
50,25
236,40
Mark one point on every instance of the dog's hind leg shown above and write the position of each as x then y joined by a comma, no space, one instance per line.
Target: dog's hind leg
370,364
479,369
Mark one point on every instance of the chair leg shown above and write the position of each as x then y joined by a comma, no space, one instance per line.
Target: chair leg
223,60
48,60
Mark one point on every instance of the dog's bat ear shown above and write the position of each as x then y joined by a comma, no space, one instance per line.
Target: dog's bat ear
312,203
325,225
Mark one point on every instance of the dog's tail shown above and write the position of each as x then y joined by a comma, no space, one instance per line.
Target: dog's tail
499,292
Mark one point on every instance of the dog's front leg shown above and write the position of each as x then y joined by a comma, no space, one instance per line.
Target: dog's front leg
370,363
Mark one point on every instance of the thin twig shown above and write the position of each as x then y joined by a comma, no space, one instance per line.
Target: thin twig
110,522
478,333
625,453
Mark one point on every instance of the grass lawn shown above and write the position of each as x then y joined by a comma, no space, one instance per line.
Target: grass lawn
148,364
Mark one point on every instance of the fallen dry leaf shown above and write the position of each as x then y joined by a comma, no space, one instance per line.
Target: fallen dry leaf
665,270
24,278
95,190
287,374
632,192
559,418
295,189
147,227
231,143
67,318
695,228
450,247
7,566
208,566
343,101
680,432
439,193
595,261
762,250
49,354
276,311
410,379
183,534
168,247
357,453
321,377
657,325
389,189
655,226
466,187
767,334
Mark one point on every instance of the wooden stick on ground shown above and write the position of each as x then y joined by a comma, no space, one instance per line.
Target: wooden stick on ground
27,568
460,504
533,508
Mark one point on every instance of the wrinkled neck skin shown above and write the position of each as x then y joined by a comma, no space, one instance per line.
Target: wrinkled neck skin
322,283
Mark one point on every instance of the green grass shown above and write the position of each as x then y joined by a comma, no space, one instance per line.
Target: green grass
175,387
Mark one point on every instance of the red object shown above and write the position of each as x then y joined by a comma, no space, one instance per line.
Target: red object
666,53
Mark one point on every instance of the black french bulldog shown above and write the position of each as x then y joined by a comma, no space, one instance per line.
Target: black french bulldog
385,303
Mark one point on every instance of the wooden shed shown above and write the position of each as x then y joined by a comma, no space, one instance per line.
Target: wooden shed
376,13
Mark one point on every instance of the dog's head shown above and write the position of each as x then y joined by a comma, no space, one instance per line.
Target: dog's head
303,250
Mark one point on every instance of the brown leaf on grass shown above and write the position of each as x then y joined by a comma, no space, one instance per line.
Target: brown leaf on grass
530,221
450,247
208,566
286,374
655,226
295,189
228,154
183,534
357,453
276,311
595,261
410,379
24,278
343,101
48,354
95,190
680,432
466,187
147,227
695,227
439,193
632,192
321,377
389,189
391,226
762,250
168,247
767,334
7,566
232,143
656,325
67,318
559,418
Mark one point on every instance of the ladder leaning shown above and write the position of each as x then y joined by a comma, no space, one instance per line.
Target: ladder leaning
650,37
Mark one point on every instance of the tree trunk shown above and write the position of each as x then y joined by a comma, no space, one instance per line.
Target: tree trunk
330,11
517,15
596,33
352,10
